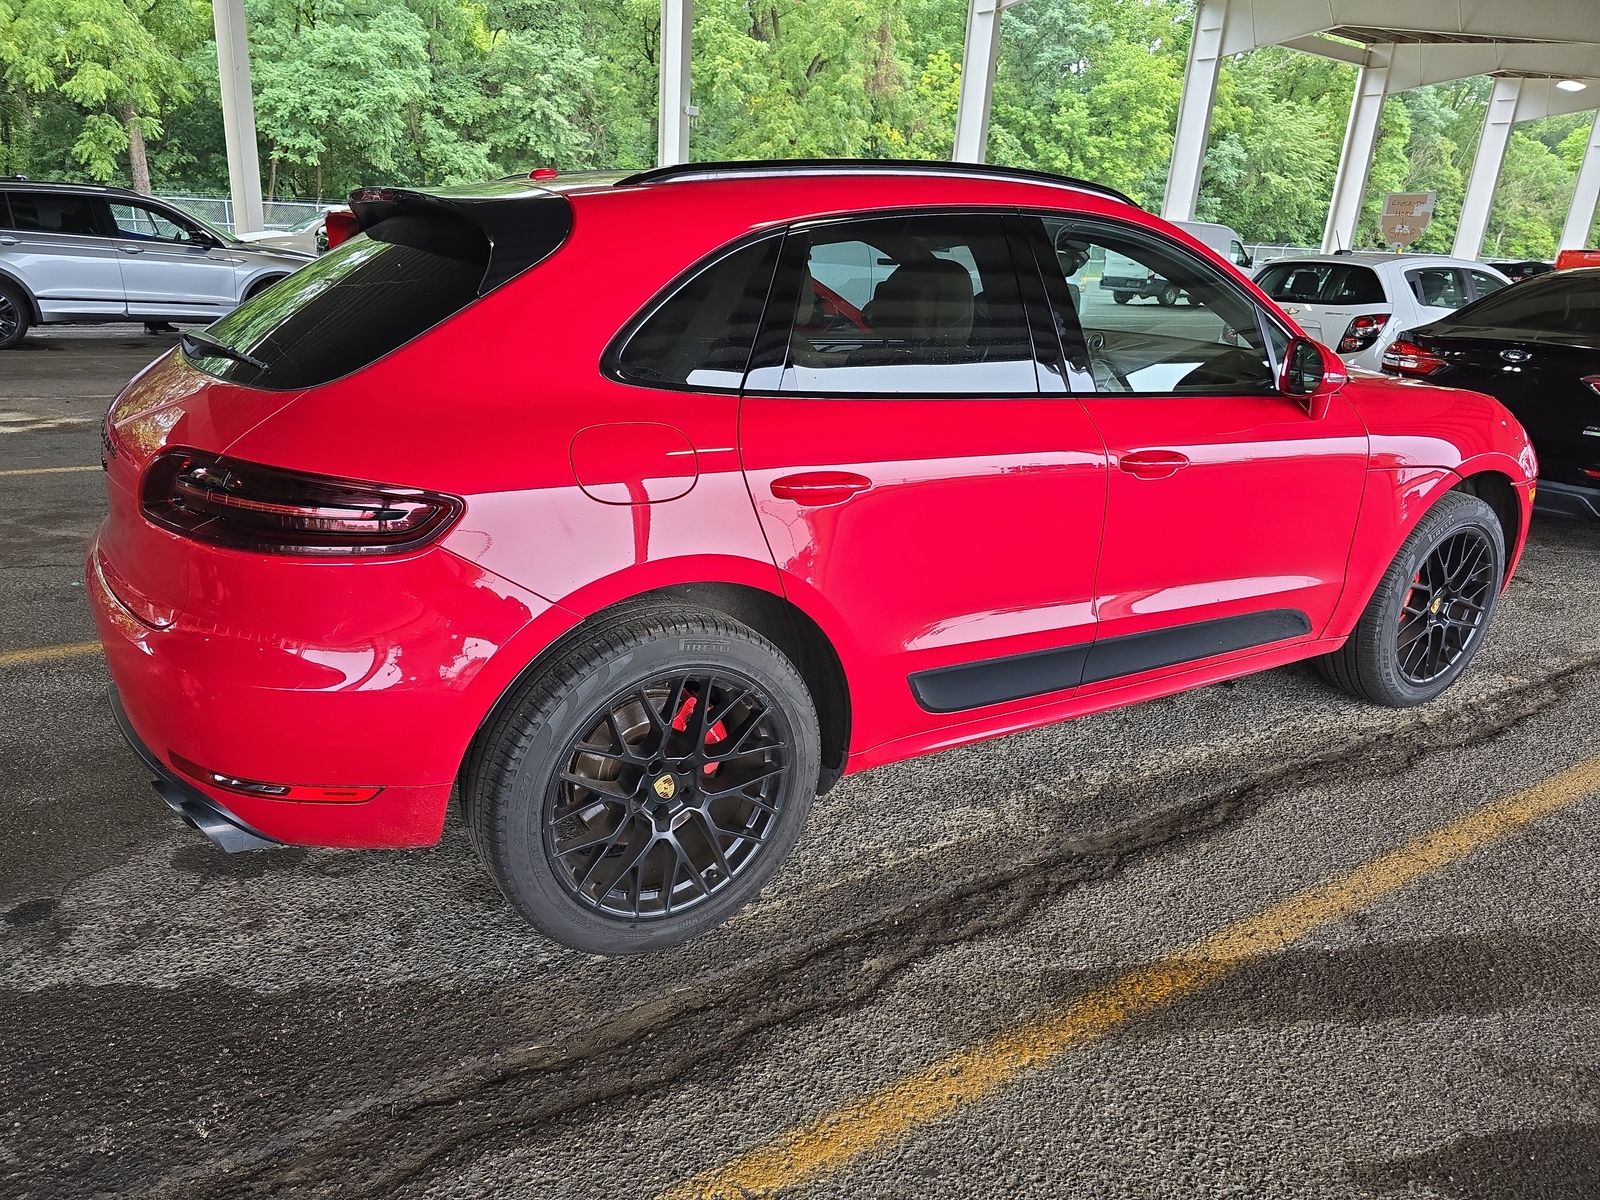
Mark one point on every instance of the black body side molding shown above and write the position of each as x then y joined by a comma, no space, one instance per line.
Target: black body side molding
995,680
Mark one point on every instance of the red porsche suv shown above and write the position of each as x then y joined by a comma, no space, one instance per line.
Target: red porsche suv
642,542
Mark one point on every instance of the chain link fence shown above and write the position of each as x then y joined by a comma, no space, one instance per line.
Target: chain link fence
218,211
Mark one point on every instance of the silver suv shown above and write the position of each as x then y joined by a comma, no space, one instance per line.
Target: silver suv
74,253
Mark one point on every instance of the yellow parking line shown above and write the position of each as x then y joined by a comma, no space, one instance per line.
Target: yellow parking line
44,471
39,654
873,1121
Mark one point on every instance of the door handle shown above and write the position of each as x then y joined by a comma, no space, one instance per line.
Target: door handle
1153,464
131,249
8,241
820,487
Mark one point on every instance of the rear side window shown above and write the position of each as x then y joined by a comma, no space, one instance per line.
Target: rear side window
50,212
700,336
349,308
1321,283
1438,287
915,305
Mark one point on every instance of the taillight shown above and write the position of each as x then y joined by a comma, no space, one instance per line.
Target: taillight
245,506
1408,358
1362,332
1593,383
340,225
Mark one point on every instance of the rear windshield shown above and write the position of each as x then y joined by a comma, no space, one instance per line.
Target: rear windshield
352,306
1561,306
1321,283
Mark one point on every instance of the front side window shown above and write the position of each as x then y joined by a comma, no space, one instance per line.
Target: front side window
1211,343
700,337
924,305
1483,283
1237,255
1438,287
1321,283
54,212
146,224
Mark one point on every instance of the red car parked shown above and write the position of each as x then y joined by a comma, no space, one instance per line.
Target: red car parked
644,540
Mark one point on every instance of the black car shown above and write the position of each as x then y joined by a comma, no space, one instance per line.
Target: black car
1536,348
1518,270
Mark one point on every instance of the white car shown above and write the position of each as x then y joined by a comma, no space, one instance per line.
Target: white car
308,237
1359,303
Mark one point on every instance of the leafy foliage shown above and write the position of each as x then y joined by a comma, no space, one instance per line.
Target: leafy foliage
439,91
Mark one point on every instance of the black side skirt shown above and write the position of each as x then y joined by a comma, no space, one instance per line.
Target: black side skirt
995,680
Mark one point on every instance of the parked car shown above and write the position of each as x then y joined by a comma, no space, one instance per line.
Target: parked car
1127,279
1359,303
1519,270
1536,348
72,253
308,237
641,550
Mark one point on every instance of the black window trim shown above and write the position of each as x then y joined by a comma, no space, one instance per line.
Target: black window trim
1264,318
771,344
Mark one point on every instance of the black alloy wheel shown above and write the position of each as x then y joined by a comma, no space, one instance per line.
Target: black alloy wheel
646,780
669,794
1430,612
13,318
1444,612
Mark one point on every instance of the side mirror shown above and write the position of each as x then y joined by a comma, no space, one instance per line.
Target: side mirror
1312,373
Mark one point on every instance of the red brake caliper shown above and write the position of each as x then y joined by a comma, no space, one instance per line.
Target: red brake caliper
718,732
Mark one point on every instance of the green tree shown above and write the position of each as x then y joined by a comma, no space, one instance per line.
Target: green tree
121,62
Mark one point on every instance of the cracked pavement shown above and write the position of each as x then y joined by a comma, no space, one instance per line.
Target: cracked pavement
178,1023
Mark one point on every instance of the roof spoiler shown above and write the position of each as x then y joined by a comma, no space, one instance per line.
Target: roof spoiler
523,224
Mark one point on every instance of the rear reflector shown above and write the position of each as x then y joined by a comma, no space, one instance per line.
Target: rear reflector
246,506
1408,358
275,791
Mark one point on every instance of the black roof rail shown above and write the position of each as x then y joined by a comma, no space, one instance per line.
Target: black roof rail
894,166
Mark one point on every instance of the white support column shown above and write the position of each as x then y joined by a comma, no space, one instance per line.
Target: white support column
1194,111
1355,160
979,54
1575,234
1475,206
672,103
238,114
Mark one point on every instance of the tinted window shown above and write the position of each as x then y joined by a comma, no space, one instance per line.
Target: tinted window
1484,283
50,212
1438,287
1211,343
351,307
701,336
917,305
1559,305
1321,283
146,224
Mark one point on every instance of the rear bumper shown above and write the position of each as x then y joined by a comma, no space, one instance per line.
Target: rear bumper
1568,500
194,807
376,676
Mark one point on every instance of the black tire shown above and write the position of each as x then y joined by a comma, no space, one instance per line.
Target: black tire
1379,663
521,796
260,286
1122,297
1169,295
15,316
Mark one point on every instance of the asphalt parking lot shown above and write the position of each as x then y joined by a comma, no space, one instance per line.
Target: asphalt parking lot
1254,941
